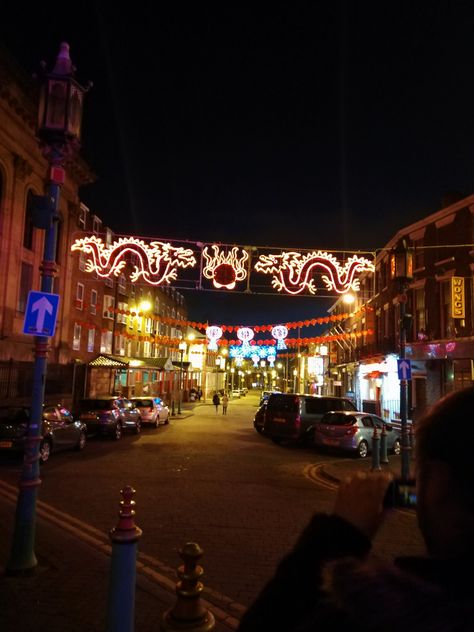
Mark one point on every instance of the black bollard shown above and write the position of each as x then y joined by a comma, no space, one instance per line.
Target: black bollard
383,445
375,451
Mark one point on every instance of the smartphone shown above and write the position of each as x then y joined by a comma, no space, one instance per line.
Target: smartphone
401,494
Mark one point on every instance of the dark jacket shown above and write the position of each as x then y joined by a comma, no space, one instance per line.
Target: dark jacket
328,583
216,400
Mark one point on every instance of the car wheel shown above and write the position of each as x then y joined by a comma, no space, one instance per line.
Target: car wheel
157,421
138,427
363,449
259,429
117,431
397,447
44,451
167,420
81,444
277,440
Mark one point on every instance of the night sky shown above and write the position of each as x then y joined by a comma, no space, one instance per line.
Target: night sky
327,127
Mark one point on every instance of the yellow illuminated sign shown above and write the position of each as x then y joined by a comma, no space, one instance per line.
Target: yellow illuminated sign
458,300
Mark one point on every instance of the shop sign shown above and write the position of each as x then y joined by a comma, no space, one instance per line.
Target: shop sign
458,300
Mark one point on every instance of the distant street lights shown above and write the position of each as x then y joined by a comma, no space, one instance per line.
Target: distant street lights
59,133
401,270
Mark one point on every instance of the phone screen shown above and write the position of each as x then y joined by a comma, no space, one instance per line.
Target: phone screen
401,494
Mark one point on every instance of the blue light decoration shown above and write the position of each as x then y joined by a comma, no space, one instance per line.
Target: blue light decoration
265,352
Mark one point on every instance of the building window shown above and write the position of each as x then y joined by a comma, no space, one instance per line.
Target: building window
26,281
120,345
109,304
82,261
122,285
147,349
57,248
148,325
420,314
76,338
96,225
446,320
93,305
419,255
90,340
28,228
81,218
79,296
106,342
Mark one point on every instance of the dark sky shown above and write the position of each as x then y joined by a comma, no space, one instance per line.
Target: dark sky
326,127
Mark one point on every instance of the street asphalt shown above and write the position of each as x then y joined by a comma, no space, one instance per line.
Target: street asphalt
69,589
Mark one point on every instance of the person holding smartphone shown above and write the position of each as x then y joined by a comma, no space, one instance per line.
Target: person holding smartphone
330,581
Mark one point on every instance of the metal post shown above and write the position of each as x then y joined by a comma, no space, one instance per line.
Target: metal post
383,445
124,537
375,451
180,394
405,461
22,557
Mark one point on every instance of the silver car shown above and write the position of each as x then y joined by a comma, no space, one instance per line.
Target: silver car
353,432
153,410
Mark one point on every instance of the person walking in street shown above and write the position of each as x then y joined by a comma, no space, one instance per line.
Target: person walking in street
329,581
225,403
216,401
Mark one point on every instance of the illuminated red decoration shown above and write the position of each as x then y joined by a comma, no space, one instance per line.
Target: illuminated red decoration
225,269
292,271
157,262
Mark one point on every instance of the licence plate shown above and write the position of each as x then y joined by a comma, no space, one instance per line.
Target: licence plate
6,444
331,441
88,417
279,420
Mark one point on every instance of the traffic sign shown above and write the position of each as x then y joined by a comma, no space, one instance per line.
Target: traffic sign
41,314
404,369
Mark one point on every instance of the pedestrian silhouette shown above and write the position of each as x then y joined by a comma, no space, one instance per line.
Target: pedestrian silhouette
225,403
216,401
329,581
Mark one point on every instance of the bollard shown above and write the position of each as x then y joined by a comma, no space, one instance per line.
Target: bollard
121,598
188,613
383,445
375,451
172,408
411,436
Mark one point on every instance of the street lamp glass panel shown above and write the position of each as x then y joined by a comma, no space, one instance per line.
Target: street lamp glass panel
145,306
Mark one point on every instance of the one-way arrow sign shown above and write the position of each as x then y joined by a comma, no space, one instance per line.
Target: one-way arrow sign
41,314
404,369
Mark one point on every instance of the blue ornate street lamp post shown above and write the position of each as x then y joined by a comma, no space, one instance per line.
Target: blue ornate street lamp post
401,270
59,131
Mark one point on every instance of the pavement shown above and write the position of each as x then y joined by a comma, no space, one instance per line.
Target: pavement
69,588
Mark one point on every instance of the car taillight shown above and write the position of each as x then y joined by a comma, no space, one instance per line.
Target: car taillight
351,430
297,421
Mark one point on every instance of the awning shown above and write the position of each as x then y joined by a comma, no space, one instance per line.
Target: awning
108,362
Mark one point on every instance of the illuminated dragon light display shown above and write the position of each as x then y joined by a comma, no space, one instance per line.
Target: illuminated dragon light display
156,262
293,271
225,269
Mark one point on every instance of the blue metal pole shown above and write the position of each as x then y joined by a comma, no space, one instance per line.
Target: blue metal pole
124,537
22,557
405,461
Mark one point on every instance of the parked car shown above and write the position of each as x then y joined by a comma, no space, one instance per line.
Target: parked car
266,394
153,410
59,430
353,432
259,418
110,416
236,393
290,416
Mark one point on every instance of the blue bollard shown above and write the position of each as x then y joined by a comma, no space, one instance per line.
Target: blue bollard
383,445
121,598
375,451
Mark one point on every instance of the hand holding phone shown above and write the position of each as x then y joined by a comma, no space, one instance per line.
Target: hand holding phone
401,494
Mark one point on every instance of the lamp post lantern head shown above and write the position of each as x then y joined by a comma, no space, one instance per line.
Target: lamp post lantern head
401,263
60,104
